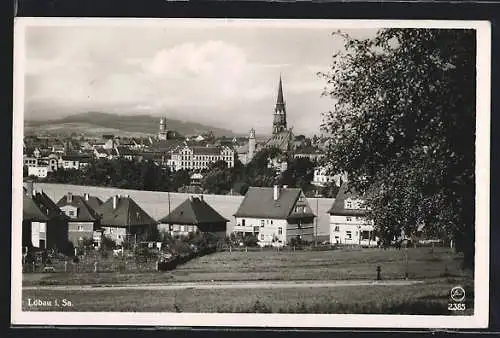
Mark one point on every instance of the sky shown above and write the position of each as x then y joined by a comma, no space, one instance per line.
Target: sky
219,73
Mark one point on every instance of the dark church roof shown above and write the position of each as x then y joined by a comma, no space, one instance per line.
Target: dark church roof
193,211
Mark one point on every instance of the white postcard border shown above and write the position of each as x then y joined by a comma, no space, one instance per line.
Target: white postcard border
481,283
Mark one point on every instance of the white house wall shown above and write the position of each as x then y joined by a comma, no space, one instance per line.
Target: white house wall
346,230
38,232
268,229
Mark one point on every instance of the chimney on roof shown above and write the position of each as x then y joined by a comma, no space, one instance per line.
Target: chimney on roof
29,188
86,195
276,192
69,197
115,201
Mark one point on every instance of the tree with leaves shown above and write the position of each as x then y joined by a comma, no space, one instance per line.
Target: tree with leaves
403,127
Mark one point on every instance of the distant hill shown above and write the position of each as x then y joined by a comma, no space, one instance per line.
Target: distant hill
97,122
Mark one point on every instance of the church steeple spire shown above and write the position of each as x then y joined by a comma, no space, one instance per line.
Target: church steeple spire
279,121
279,100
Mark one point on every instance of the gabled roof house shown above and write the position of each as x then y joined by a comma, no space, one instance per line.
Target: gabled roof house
194,215
348,220
44,225
121,217
275,215
83,218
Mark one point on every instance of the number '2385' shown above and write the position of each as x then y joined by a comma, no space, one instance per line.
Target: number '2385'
456,307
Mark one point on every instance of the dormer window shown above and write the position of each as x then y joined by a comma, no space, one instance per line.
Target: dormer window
348,204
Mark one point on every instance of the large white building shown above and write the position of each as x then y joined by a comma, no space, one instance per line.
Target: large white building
196,157
348,222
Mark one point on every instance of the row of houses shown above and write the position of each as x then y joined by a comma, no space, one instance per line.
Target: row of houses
274,215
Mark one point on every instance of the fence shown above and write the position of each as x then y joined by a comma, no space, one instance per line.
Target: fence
93,263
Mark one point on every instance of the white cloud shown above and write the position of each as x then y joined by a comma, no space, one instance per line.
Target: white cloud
223,77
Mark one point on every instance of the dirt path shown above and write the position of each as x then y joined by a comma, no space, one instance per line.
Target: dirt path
226,285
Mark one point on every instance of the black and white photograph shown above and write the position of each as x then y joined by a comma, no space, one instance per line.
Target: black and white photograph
249,172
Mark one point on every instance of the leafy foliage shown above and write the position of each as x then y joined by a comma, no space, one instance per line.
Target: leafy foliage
403,127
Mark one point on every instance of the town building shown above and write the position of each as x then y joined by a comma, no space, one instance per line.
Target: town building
323,177
312,153
74,161
246,151
44,225
83,223
122,218
163,133
192,216
348,222
275,215
195,157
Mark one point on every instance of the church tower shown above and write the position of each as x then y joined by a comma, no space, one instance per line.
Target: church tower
251,144
279,121
162,135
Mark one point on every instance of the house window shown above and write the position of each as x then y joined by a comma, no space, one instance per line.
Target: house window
262,237
348,205
80,227
42,227
262,223
348,219
337,228
271,222
280,231
304,210
71,213
182,228
243,222
348,235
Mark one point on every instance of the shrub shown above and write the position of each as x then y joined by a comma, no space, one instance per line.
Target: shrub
107,243
250,240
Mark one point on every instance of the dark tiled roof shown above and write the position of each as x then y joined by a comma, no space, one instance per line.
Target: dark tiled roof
94,202
338,207
259,202
76,157
127,213
193,212
31,211
85,212
46,204
206,150
307,150
167,145
124,151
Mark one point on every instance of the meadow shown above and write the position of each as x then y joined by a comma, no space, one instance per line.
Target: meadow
438,269
272,265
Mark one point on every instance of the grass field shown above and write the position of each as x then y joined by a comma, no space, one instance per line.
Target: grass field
272,265
439,271
431,298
